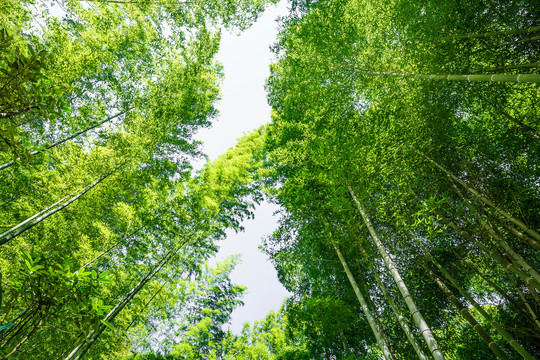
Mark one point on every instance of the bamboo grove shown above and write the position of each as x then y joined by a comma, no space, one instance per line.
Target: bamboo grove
104,227
403,151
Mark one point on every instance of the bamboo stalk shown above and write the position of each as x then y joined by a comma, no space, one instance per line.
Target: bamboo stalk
9,163
519,78
482,197
535,319
513,255
479,329
383,345
78,352
488,281
42,215
524,276
479,308
395,310
417,316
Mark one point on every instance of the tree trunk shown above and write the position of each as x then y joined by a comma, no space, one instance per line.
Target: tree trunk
506,264
394,308
479,308
37,218
519,78
8,164
417,316
493,346
483,198
467,316
383,345
78,352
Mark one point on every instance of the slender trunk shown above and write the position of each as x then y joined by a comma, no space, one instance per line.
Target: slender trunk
467,316
514,256
19,327
488,281
493,33
506,264
535,319
36,326
383,345
519,78
8,164
535,133
517,233
36,219
81,349
109,249
394,308
479,308
145,306
493,346
482,197
417,316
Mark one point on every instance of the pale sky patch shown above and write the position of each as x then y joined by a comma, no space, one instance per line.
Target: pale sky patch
243,108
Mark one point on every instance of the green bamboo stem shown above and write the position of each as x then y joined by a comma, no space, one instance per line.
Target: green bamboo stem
18,226
527,279
529,308
488,281
479,308
517,233
394,308
417,316
482,197
519,78
60,142
80,350
514,256
383,345
51,210
464,312
493,33
511,253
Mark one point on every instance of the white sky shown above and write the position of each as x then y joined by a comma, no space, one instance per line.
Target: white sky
243,108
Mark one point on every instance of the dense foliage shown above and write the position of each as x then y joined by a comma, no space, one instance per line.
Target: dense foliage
404,182
403,151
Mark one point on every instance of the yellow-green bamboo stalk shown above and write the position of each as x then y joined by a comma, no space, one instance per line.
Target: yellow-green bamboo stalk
60,142
493,346
535,319
417,316
383,345
518,78
394,307
479,308
51,210
482,197
514,256
523,275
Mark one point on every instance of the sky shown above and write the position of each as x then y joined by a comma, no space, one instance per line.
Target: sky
243,108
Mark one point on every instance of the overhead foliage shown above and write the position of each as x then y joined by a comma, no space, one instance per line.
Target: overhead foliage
419,188
403,151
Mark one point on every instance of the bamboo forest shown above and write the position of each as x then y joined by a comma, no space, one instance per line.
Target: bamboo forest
402,153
